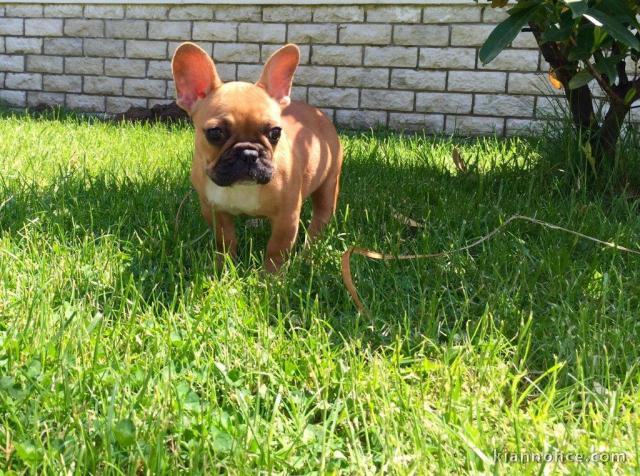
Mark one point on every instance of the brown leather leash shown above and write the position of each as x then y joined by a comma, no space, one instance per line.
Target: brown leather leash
347,277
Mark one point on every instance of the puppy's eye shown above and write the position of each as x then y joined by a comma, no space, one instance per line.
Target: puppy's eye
214,134
274,134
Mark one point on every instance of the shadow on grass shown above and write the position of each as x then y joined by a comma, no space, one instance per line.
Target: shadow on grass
77,205
523,272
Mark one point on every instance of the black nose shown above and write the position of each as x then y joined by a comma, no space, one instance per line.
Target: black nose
248,154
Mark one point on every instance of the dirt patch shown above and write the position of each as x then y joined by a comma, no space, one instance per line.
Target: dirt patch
165,113
42,109
159,113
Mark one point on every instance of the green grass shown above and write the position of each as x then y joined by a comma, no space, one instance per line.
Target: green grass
122,352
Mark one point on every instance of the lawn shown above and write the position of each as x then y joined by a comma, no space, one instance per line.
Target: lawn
123,352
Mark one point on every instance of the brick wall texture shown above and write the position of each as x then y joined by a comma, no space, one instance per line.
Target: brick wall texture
406,67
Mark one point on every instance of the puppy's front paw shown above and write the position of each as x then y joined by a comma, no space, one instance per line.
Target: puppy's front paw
272,264
220,260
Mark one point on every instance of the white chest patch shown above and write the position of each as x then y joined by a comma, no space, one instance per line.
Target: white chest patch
236,199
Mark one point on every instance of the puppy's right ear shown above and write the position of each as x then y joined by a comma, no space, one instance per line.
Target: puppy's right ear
194,74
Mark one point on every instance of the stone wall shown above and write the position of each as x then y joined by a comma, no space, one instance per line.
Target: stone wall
402,66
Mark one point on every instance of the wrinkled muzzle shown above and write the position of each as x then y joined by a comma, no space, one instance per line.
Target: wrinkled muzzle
244,162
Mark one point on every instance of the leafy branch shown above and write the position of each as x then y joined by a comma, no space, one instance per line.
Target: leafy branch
583,41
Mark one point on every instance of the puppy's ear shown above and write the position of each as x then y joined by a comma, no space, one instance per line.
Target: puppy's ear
194,74
277,74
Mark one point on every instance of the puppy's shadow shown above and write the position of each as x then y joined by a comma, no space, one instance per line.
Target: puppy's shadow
138,214
167,244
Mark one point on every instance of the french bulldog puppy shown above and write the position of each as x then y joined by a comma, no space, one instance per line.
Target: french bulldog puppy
257,152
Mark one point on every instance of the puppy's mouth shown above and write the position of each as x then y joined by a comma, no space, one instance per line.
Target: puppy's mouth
244,162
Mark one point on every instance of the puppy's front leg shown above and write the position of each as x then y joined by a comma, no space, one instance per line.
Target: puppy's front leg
226,241
284,230
207,212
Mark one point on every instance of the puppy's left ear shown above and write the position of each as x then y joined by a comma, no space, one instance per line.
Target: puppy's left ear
277,74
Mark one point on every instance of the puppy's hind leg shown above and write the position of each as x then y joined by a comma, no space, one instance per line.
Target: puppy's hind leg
323,203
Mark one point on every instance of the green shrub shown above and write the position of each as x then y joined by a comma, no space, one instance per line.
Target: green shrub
583,41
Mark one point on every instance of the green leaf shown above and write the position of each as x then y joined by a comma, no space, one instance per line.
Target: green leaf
630,96
578,7
11,387
580,79
607,66
125,432
191,402
506,32
556,34
222,441
612,26
289,367
584,43
619,8
522,5
600,37
430,365
588,153
35,369
27,452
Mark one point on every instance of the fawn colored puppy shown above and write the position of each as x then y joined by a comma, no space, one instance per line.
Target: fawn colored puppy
257,152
